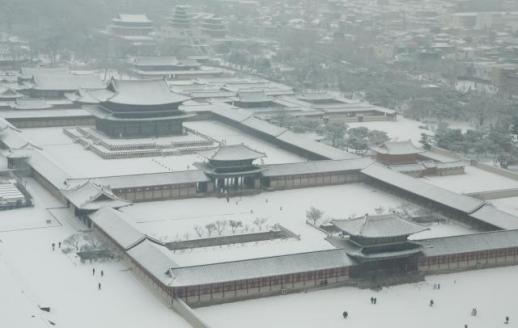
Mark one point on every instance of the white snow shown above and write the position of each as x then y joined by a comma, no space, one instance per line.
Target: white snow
492,292
443,229
81,163
176,219
31,274
230,135
509,205
475,180
400,130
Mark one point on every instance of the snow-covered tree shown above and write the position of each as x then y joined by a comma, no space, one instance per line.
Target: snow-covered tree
211,227
234,225
314,214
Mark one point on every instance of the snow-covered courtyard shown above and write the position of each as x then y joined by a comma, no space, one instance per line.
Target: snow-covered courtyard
400,130
175,220
229,135
81,163
474,180
492,292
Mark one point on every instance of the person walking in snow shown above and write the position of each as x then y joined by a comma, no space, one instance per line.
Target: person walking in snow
345,314
474,312
53,246
99,286
507,320
431,303
93,271
102,273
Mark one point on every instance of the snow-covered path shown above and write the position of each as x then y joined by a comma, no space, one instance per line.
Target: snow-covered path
493,292
31,274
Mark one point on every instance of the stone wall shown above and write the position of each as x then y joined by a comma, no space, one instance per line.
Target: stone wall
268,286
468,261
312,180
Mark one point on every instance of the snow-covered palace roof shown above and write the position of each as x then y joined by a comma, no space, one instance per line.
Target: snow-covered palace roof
91,196
232,153
378,226
398,148
138,92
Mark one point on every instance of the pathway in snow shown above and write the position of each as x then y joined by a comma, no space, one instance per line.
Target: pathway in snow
31,274
493,292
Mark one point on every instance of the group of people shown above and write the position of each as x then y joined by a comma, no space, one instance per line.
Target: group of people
474,311
374,300
53,245
99,286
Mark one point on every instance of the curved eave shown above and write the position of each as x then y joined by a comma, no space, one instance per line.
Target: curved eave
98,205
405,235
361,257
210,172
173,102
137,119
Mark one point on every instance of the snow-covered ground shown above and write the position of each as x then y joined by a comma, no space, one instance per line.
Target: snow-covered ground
475,180
492,292
81,163
230,135
176,219
33,275
3,162
400,130
442,229
509,205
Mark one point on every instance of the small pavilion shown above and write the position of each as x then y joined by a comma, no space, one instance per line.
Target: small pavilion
88,197
380,245
232,168
397,152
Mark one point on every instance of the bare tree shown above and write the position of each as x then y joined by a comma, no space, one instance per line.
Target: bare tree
220,226
234,225
211,227
198,230
314,214
259,222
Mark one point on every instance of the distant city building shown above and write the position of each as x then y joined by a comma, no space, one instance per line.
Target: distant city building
180,19
131,34
214,27
397,152
13,52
